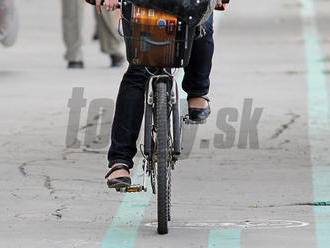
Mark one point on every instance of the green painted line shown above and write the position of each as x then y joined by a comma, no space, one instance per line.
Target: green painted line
225,238
123,230
319,123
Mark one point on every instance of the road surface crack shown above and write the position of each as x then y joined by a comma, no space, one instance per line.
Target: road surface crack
285,126
48,184
58,213
47,180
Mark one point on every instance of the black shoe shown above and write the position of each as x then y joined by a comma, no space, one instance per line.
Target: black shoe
96,36
117,60
200,114
75,65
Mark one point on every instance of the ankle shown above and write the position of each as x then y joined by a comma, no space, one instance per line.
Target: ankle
197,102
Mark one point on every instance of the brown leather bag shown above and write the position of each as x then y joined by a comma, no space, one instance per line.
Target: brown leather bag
153,37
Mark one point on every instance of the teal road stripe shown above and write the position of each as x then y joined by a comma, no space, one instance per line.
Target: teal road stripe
123,230
225,238
319,123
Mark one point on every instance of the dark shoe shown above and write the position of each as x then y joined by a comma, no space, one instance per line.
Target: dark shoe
119,182
96,36
117,60
75,65
200,114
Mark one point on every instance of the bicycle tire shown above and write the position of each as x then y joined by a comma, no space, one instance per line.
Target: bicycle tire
162,157
169,195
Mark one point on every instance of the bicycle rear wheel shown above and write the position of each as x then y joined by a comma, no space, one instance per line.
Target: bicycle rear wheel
162,156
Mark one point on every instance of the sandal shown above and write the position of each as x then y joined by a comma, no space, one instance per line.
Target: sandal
119,182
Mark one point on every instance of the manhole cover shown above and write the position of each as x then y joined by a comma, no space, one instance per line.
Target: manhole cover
260,224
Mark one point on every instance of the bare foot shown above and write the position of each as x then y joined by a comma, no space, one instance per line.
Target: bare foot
197,102
118,173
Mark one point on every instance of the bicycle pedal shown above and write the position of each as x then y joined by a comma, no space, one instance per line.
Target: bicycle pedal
131,189
187,121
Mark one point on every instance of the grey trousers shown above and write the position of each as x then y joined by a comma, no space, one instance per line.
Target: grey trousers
72,17
8,22
72,22
110,40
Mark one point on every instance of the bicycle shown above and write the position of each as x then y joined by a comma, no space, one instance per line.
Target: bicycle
162,120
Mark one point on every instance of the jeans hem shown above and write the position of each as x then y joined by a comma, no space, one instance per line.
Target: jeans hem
127,162
196,95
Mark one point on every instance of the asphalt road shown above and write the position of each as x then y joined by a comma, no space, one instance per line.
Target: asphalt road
272,58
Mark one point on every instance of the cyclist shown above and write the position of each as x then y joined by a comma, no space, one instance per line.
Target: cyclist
130,101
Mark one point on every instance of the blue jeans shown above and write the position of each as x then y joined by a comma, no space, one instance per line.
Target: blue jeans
130,100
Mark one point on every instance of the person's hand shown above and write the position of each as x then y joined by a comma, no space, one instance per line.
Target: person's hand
219,4
109,5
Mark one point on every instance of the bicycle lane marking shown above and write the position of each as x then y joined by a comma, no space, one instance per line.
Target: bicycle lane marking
125,224
318,123
230,238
